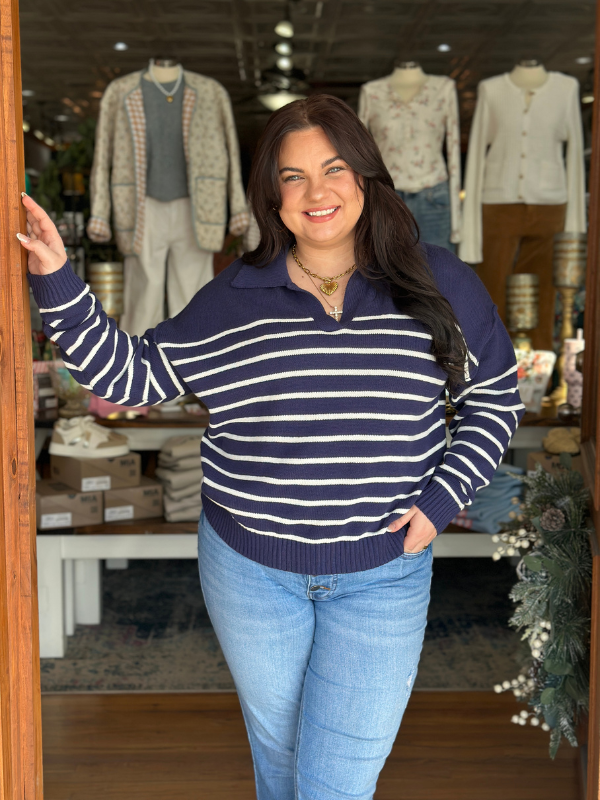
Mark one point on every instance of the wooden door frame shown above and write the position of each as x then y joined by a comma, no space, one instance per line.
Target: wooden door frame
20,701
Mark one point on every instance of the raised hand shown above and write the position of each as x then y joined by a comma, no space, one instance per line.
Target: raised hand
46,248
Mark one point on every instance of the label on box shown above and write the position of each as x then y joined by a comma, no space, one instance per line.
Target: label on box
62,520
97,484
50,402
118,513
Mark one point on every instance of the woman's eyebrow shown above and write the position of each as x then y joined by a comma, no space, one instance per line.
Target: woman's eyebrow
323,165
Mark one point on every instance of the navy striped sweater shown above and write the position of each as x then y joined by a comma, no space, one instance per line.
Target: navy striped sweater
321,433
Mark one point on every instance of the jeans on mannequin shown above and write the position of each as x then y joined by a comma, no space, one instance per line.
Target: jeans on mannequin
431,209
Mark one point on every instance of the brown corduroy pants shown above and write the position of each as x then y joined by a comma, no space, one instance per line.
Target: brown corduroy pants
519,238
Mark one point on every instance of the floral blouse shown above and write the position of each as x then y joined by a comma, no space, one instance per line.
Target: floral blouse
411,135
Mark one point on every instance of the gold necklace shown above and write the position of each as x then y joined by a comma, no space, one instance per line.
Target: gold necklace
337,312
329,285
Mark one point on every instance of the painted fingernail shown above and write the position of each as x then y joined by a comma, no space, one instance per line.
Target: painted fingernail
23,194
22,238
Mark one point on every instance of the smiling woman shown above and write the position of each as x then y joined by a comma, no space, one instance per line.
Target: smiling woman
326,468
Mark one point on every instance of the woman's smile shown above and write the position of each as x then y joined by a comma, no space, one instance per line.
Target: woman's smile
321,214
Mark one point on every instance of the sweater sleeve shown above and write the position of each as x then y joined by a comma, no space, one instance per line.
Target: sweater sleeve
575,218
99,223
129,370
488,413
453,157
471,240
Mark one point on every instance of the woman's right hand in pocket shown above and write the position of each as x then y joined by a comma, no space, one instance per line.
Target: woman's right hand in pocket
46,249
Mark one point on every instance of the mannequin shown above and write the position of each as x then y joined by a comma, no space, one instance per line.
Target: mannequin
407,80
167,161
409,113
519,191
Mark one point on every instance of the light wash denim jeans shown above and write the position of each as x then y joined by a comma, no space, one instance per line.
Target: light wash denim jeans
323,665
431,209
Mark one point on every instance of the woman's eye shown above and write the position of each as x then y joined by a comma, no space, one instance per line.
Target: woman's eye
336,169
291,178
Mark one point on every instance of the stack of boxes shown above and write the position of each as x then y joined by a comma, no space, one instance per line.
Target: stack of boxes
90,491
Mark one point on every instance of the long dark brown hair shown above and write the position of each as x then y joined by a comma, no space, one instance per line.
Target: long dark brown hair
386,239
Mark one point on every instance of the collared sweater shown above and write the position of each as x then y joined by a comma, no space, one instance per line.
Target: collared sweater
321,432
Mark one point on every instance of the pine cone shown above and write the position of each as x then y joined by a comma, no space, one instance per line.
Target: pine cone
552,519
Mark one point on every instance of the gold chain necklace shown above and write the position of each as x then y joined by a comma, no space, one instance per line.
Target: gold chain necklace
329,285
336,312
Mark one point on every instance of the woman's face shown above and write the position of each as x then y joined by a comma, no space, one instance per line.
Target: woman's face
320,198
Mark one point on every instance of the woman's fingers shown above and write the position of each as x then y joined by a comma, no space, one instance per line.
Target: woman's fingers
42,225
42,259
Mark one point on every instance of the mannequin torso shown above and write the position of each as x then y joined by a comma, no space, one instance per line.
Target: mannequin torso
407,81
165,71
529,79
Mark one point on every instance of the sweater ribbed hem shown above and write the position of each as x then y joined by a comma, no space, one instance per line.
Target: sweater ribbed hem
335,558
438,505
57,288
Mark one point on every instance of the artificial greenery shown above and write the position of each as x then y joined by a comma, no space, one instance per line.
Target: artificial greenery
553,597
76,157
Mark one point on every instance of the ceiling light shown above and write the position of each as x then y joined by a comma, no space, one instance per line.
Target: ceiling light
26,126
284,28
284,63
277,100
96,94
49,141
120,46
587,98
61,118
444,48
284,48
583,60
38,135
27,92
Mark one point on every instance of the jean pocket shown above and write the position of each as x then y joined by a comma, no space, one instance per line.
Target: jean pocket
439,195
411,556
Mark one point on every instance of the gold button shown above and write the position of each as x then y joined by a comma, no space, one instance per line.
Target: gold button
520,177
522,155
524,133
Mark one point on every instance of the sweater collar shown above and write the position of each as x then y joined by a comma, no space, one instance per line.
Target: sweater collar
274,274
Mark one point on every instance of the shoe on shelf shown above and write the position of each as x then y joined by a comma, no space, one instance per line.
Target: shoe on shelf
81,437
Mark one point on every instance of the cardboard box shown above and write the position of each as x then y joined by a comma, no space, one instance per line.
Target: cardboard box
550,462
58,506
134,502
97,474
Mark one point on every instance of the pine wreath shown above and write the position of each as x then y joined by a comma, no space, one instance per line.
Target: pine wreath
553,600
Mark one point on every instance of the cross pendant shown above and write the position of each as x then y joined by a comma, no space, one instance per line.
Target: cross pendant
336,313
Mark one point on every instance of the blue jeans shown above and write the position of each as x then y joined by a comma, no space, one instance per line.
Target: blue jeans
323,665
431,209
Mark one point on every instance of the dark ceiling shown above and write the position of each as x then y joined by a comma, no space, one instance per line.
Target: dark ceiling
68,56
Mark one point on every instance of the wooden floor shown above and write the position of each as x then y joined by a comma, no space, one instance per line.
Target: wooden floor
452,746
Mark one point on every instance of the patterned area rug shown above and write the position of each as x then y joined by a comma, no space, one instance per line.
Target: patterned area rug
156,635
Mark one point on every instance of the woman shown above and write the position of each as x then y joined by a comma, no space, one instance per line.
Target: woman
323,357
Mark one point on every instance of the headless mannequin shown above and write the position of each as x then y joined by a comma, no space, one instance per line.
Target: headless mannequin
529,75
407,80
166,70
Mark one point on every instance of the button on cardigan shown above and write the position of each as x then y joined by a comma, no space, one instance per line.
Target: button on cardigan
321,433
524,162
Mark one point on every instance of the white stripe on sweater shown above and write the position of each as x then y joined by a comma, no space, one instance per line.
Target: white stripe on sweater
337,373
316,481
273,398
332,460
66,305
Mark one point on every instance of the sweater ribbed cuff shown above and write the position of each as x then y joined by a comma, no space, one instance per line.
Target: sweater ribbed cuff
57,288
438,505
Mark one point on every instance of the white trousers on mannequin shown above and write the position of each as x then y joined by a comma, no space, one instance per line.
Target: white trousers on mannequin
169,255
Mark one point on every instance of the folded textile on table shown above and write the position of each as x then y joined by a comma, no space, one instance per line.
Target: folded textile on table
495,503
179,480
182,494
181,447
172,506
179,464
191,514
